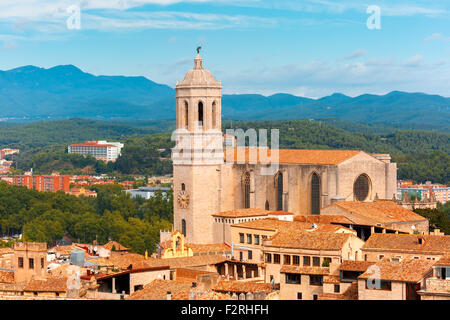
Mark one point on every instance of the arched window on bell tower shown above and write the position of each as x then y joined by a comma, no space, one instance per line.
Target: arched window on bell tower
214,115
200,114
246,187
186,114
279,189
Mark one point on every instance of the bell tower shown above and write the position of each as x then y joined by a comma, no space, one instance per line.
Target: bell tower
198,153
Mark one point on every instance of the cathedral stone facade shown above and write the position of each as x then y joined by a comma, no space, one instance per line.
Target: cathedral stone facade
208,180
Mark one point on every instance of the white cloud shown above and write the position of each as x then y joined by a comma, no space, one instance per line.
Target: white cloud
437,36
414,61
320,78
356,54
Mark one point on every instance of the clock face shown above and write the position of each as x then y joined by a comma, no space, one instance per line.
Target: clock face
183,199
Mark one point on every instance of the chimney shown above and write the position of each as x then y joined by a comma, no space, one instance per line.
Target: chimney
169,295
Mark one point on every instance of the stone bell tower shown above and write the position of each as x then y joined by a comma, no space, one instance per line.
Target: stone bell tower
198,154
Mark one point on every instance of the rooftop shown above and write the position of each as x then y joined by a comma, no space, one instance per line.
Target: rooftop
243,286
242,213
383,211
50,284
350,265
292,156
273,224
157,290
433,244
302,239
411,270
6,276
305,270
117,246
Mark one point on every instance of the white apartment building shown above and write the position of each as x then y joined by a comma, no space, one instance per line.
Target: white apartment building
101,150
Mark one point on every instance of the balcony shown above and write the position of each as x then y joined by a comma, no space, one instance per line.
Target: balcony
438,285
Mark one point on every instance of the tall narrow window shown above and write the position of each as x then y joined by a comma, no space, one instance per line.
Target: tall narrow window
183,227
246,185
186,114
279,184
183,186
214,115
315,194
267,205
200,113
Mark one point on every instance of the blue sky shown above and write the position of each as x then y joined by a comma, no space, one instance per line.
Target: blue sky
305,47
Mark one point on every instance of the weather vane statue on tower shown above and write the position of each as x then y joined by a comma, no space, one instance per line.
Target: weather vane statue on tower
198,50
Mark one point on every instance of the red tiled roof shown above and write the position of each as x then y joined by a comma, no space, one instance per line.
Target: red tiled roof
250,212
411,270
273,224
6,276
432,244
309,240
117,246
383,211
243,286
444,261
323,219
50,284
157,290
350,265
305,270
91,144
292,156
280,213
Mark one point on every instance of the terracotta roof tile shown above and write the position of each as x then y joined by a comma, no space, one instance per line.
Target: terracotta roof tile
383,211
214,296
117,246
444,261
6,276
323,219
157,290
49,284
410,270
305,270
331,279
238,213
6,251
309,240
281,213
433,244
243,286
350,294
291,156
350,265
273,224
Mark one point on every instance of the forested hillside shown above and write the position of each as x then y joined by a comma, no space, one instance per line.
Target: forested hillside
421,155
47,216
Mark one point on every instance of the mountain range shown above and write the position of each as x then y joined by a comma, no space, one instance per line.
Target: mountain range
63,92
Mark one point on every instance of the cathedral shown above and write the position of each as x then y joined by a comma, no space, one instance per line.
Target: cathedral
209,180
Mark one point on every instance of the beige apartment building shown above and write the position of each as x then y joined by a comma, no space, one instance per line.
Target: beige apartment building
437,287
389,280
307,248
